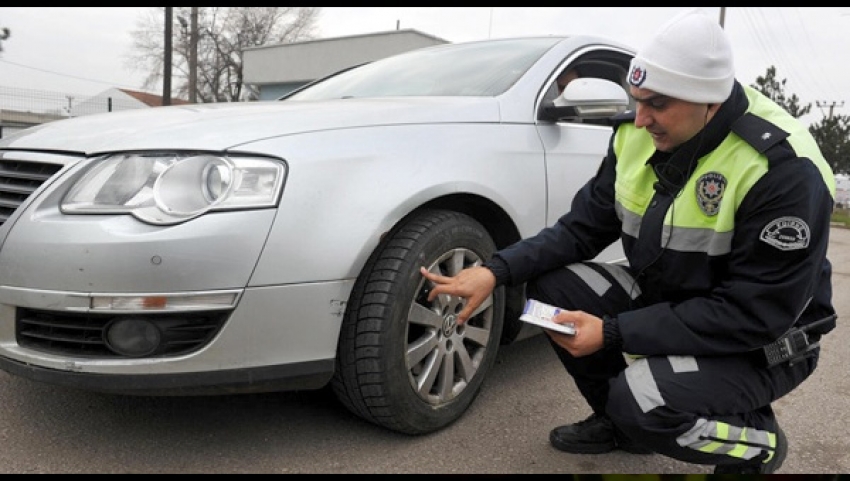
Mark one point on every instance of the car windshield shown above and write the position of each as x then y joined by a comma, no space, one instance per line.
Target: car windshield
485,68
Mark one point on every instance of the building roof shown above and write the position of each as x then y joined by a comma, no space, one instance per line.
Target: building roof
300,62
412,32
152,100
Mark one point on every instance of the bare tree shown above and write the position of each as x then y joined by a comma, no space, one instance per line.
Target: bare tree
4,34
223,34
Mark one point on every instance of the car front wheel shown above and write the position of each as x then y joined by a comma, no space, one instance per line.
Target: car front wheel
404,362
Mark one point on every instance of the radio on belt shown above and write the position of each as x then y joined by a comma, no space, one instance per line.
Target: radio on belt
793,345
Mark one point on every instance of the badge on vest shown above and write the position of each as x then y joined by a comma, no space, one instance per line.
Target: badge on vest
710,188
786,234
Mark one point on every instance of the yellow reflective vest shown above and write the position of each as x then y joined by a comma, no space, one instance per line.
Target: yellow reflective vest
726,237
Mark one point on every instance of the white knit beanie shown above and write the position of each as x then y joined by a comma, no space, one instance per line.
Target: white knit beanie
689,59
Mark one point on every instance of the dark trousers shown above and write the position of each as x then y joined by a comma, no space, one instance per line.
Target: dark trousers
702,410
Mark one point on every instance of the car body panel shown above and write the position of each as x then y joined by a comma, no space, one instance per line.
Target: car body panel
253,337
213,127
120,254
416,164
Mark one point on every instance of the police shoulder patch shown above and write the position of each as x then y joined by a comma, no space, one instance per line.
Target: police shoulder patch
786,234
710,188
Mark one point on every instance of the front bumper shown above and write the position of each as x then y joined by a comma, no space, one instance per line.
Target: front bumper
277,338
289,377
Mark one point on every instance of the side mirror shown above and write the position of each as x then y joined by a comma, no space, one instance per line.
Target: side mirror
587,99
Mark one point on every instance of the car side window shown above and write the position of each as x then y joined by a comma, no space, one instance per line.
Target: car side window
564,77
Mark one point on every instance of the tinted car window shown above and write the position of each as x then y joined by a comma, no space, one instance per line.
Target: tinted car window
476,69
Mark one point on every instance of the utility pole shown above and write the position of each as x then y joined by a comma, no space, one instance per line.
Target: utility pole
70,104
193,56
830,105
490,27
166,70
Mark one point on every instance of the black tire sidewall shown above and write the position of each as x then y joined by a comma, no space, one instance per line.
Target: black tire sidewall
446,231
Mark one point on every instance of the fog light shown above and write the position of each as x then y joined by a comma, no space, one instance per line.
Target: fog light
132,337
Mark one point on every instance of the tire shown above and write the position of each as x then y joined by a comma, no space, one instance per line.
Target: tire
402,362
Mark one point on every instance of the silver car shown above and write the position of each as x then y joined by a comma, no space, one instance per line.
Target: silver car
270,246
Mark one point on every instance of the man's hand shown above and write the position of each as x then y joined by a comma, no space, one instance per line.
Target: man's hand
588,337
474,284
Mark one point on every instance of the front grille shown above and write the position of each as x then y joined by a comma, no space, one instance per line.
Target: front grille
81,335
18,180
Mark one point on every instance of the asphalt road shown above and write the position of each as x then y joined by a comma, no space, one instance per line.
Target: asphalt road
45,429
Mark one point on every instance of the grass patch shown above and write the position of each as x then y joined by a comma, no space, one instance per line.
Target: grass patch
841,217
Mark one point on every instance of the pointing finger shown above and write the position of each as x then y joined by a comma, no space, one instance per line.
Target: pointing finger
431,276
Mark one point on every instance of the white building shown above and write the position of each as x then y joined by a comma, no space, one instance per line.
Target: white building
842,191
116,99
271,71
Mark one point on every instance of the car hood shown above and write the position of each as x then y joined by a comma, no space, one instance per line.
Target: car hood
227,125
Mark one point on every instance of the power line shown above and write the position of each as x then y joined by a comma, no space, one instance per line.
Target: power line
808,75
823,105
111,84
819,53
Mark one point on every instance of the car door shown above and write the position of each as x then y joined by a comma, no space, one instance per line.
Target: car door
574,149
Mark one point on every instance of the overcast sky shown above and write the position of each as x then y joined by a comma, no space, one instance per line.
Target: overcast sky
84,50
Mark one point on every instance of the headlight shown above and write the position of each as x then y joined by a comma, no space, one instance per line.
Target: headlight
173,188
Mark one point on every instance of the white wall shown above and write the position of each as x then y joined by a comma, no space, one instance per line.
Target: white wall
111,100
842,190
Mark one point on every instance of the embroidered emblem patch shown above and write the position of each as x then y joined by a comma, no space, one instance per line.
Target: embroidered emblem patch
637,76
786,234
710,188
